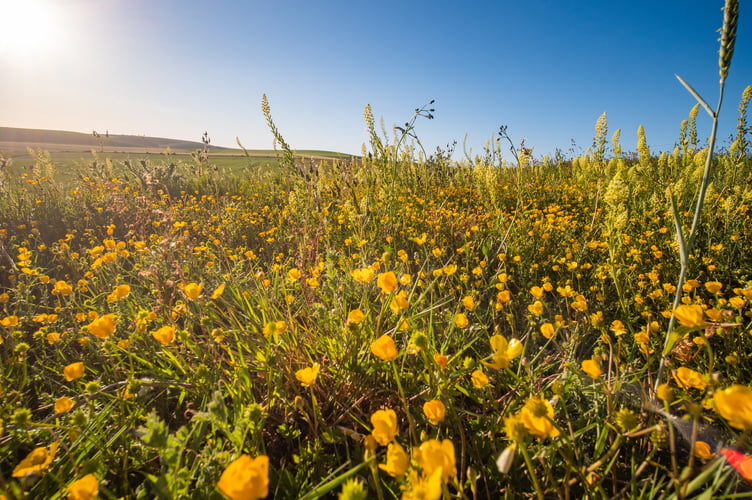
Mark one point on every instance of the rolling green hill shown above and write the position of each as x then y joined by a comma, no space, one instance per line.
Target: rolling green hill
14,141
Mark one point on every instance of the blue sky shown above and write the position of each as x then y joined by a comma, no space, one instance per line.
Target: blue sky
546,69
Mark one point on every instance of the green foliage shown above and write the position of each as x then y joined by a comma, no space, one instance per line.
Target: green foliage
524,305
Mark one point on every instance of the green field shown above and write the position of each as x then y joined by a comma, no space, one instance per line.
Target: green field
392,326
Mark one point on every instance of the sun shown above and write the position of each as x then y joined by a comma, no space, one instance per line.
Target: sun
30,30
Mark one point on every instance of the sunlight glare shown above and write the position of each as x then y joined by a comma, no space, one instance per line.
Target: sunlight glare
30,31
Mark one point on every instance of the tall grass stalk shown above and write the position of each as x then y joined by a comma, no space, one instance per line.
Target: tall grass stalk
686,244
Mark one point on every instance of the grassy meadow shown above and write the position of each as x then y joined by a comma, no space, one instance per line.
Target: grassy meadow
391,326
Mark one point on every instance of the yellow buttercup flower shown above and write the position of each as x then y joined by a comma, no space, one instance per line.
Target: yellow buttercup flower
461,321
515,428
703,451
713,286
435,411
665,393
387,282
690,315
307,376
384,348
293,275
86,488
399,302
686,378
364,275
73,371
536,308
355,316
62,288
734,403
164,335
441,360
274,328
384,426
119,292
479,379
537,416
36,462
63,404
9,321
504,352
103,326
246,478
434,455
217,293
193,291
547,330
469,303
592,368
397,461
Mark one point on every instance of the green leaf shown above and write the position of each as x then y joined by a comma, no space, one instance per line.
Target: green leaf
697,96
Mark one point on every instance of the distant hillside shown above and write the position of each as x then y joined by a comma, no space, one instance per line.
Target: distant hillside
16,140
58,140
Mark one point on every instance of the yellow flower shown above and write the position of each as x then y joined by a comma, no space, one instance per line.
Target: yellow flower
193,291
515,428
504,352
713,286
119,292
537,292
36,462
9,321
424,487
397,461
364,275
618,328
307,376
384,426
73,371
737,302
592,368
217,293
686,378
703,451
387,282
103,326
665,393
246,478
690,315
63,404
164,335
537,416
441,360
434,410
384,348
580,304
274,328
62,288
293,275
547,330
399,302
355,316
734,403
469,303
461,321
479,379
434,455
86,488
536,308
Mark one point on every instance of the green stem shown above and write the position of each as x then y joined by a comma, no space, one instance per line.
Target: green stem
685,247
531,470
410,423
